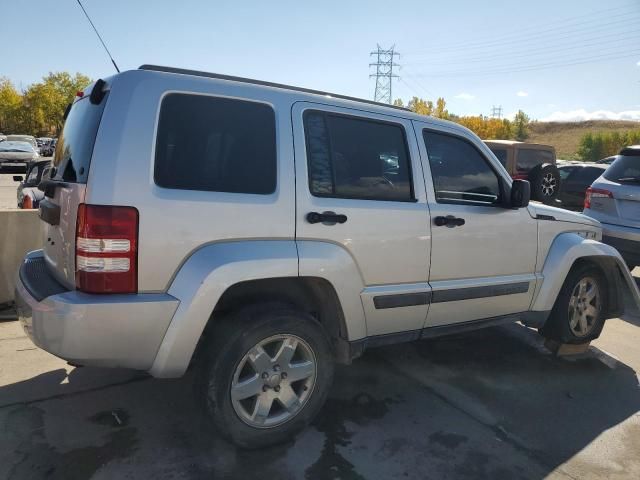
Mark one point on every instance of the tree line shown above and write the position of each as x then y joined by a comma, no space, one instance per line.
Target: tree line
483,126
38,110
594,146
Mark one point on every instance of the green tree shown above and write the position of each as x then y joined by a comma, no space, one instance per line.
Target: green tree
520,126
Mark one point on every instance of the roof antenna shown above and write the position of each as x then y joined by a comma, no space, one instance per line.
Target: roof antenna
99,37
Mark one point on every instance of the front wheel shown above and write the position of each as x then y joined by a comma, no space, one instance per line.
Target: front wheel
266,373
579,311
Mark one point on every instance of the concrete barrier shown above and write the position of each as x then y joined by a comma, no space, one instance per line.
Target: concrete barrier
20,232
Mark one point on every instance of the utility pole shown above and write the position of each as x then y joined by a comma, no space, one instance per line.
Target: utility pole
384,73
496,112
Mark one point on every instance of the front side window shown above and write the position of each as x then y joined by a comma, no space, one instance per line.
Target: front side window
351,157
215,144
460,173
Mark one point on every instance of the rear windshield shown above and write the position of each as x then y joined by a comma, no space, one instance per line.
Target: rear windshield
75,144
529,158
624,170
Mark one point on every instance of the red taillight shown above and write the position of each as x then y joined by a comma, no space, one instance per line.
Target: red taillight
595,193
79,94
520,176
107,249
27,202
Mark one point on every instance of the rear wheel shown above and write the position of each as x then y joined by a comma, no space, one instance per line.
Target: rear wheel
266,374
579,311
545,183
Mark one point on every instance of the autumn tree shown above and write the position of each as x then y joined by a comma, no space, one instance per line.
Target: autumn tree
10,102
40,108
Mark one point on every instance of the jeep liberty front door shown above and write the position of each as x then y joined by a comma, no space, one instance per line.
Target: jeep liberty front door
483,255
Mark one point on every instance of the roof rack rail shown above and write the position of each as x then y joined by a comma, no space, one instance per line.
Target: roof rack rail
182,71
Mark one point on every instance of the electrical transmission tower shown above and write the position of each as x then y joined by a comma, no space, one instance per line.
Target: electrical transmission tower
384,73
496,112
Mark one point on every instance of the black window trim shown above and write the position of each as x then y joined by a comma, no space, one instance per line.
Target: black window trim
502,184
168,93
326,113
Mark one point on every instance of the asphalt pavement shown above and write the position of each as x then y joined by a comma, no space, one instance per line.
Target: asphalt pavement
487,404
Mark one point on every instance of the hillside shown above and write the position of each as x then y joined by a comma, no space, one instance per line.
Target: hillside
566,136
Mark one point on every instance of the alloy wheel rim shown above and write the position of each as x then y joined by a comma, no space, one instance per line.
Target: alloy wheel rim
548,185
273,381
584,307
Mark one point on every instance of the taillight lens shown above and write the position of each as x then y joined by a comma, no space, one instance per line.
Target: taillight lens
107,249
27,203
595,193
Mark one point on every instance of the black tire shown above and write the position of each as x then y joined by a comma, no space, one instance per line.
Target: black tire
230,340
545,183
558,326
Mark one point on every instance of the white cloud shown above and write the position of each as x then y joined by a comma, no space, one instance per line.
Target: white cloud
522,94
638,64
465,96
581,115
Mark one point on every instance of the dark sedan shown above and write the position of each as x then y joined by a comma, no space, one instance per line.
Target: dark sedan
576,178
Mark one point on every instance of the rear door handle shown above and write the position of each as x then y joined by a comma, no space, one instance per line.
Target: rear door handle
448,221
326,218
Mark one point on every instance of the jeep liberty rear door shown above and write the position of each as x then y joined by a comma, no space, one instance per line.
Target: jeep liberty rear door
364,168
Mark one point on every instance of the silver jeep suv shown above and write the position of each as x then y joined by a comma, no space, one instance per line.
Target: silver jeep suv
264,232
614,200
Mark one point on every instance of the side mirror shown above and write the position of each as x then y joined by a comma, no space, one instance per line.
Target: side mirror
18,178
520,194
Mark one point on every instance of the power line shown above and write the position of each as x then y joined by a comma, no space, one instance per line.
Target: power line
531,67
543,50
384,73
535,32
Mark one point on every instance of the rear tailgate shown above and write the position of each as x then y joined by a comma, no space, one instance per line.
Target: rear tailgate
65,189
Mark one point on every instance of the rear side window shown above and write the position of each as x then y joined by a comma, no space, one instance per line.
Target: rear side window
460,173
75,144
351,157
529,158
215,144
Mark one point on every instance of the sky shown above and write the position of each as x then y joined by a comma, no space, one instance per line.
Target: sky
556,60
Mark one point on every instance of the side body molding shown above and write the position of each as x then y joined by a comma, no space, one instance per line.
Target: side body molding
333,263
200,283
565,250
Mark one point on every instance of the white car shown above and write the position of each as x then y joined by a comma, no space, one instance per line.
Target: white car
265,232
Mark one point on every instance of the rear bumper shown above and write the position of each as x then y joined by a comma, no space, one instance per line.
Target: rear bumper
624,239
93,330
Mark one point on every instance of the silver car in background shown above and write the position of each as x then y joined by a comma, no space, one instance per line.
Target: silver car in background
17,155
614,200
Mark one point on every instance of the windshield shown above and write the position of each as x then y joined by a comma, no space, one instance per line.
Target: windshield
75,145
9,146
21,138
624,170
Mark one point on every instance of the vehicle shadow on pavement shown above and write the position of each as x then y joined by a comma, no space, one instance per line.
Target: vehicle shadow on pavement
488,404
